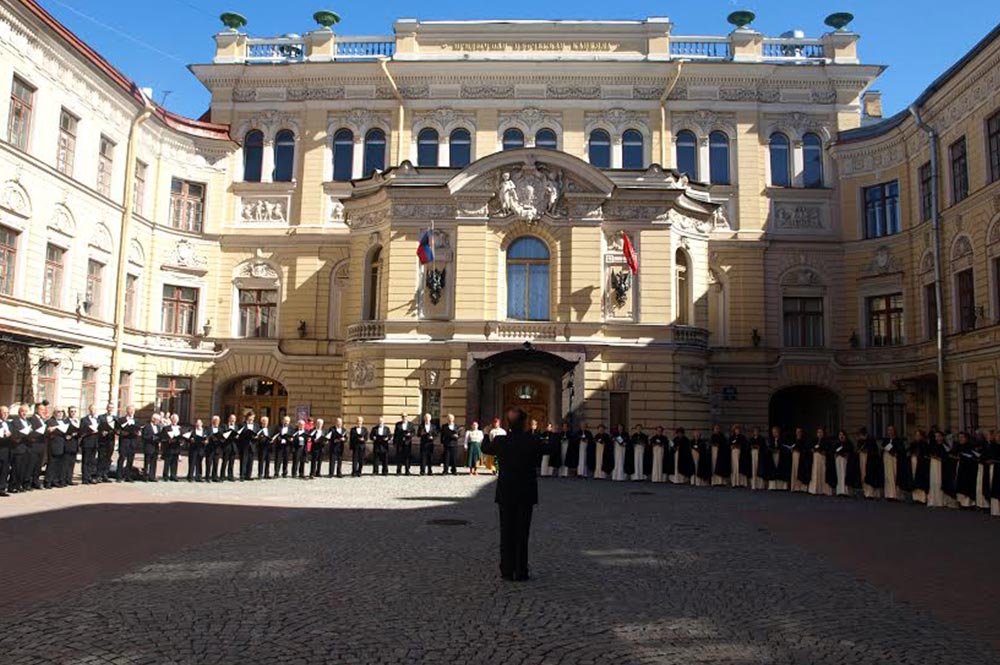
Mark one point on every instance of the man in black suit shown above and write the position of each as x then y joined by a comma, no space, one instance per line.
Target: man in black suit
90,439
150,447
128,442
245,438
56,430
106,427
20,455
358,439
427,432
37,444
380,447
520,453
337,434
6,445
402,438
449,441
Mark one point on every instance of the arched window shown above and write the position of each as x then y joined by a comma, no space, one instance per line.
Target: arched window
683,280
812,161
545,138
343,155
600,149
513,139
687,154
372,285
460,147
374,152
781,169
528,280
718,158
427,147
632,149
284,155
253,155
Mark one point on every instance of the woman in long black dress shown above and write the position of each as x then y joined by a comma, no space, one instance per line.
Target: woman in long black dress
604,453
683,458
993,458
781,455
872,468
802,452
722,463
920,463
968,470
842,451
703,457
760,461
937,450
739,446
949,471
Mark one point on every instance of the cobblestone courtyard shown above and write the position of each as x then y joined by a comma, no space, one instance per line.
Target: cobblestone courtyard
354,571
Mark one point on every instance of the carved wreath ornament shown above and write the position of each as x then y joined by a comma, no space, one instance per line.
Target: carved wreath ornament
435,284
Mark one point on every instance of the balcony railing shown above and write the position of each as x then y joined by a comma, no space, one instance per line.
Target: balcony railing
275,50
524,330
690,336
366,330
365,48
793,49
704,48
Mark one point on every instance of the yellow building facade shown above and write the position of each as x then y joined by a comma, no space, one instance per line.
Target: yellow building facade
266,258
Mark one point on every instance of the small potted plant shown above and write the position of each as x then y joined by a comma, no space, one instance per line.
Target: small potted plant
741,19
233,21
839,20
326,18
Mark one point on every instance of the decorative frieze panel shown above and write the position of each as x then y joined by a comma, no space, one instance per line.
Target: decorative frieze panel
530,120
423,211
184,255
360,374
15,199
617,120
799,217
264,210
358,121
704,123
883,262
444,120
693,381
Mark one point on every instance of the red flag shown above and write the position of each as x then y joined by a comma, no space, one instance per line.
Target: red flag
630,256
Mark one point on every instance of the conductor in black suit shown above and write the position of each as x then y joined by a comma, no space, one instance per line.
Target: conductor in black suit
519,453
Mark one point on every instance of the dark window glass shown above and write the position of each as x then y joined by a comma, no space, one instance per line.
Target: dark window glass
930,305
993,145
812,161
803,321
513,139
888,407
970,406
926,192
284,156
959,170
253,155
546,138
632,150
687,154
965,284
460,148
427,147
600,149
374,152
881,209
718,158
528,280
343,155
885,320
781,161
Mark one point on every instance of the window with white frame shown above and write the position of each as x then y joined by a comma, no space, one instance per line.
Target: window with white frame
253,155
179,310
187,205
95,282
718,158
105,164
258,310
599,149
66,150
55,260
343,155
780,153
460,147
633,149
48,382
375,145
22,97
8,259
427,147
284,156
687,153
139,187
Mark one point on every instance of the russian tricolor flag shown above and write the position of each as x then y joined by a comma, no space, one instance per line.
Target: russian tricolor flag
425,250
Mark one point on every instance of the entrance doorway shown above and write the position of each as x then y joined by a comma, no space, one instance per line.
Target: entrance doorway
807,407
532,396
262,395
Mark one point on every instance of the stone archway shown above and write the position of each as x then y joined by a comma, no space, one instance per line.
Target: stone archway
260,394
807,406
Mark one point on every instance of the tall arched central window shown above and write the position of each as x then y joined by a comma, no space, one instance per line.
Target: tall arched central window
718,158
600,149
687,154
374,152
546,138
781,161
372,285
460,148
343,155
284,155
632,149
683,277
812,161
513,139
253,155
427,147
528,280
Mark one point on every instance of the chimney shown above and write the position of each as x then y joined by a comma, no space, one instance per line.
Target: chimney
871,105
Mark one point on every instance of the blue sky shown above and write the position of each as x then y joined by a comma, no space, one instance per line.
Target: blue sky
153,41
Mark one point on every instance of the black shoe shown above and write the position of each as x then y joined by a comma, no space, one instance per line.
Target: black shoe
4,493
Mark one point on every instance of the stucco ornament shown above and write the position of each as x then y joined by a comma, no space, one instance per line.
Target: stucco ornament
621,282
529,192
435,284
361,373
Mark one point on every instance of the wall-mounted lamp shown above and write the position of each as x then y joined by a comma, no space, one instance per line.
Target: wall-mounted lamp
302,328
755,337
206,330
854,340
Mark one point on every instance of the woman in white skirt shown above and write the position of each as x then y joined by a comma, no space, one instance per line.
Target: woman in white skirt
936,451
781,459
821,449
983,478
719,450
585,451
602,458
639,444
564,441
737,446
842,455
800,462
659,442
548,439
619,439
684,463
870,457
894,451
920,466
702,453
760,461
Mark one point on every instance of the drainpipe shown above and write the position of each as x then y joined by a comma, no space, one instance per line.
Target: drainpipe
932,138
127,207
399,98
663,113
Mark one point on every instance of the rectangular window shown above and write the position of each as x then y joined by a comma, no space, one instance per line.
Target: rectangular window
885,320
926,192
187,204
430,402
881,209
67,142
124,391
965,285
803,321
959,170
22,96
888,407
95,281
105,162
8,259
48,372
258,309
88,388
131,283
993,145
180,309
139,187
930,306
173,395
52,285
970,406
